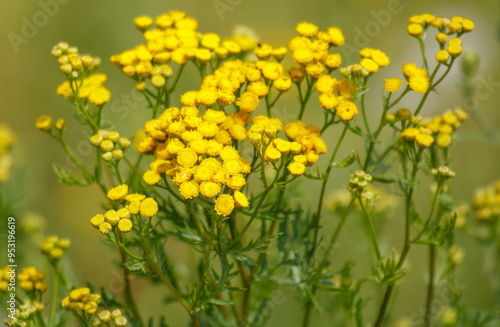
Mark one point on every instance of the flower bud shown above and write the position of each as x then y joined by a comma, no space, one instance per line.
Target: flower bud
108,156
96,140
61,124
44,123
118,154
403,114
66,69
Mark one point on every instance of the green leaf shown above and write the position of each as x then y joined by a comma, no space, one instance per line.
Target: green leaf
220,302
347,161
70,179
136,266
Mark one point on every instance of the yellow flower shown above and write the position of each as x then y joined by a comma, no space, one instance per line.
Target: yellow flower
419,84
263,51
44,123
467,25
303,56
259,88
207,97
224,205
151,177
105,228
97,220
410,69
272,70
370,65
306,29
442,56
296,168
279,53
424,140
335,36
118,193
187,158
189,189
158,81
346,110
283,83
149,207
443,140
99,96
248,102
410,134
240,199
209,189
111,217
328,101
391,85
315,69
143,22
415,29
333,60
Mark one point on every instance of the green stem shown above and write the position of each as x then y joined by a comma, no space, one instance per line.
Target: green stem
363,112
373,234
430,287
55,301
323,190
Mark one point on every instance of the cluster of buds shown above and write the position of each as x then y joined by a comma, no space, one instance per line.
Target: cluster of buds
31,280
54,248
355,70
44,123
106,317
442,173
403,115
109,142
359,181
105,223
81,302
486,202
71,63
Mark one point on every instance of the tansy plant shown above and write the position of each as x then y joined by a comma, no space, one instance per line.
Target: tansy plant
216,169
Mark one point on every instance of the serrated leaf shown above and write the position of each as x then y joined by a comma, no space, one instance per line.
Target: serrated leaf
383,180
347,161
136,266
70,179
220,302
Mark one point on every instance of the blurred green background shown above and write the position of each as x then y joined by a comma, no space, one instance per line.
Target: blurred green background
29,77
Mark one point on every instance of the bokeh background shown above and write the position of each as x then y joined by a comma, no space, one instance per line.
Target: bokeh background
29,77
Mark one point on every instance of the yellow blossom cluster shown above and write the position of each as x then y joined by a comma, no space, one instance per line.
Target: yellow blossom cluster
54,247
108,142
31,280
373,59
121,220
422,136
6,275
416,77
444,126
83,82
7,138
174,39
195,151
454,27
81,302
486,202
311,143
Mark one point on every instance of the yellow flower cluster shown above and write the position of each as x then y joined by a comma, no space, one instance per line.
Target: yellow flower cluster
7,138
109,141
82,81
421,135
454,26
486,202
416,77
310,48
6,275
175,39
444,126
137,204
31,280
81,302
308,137
187,147
54,248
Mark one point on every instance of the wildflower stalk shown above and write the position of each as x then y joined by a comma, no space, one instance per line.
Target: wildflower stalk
371,228
407,239
55,301
326,176
430,287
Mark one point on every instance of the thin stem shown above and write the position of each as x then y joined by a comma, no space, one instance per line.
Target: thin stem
422,50
430,287
127,293
363,112
373,234
323,190
55,294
